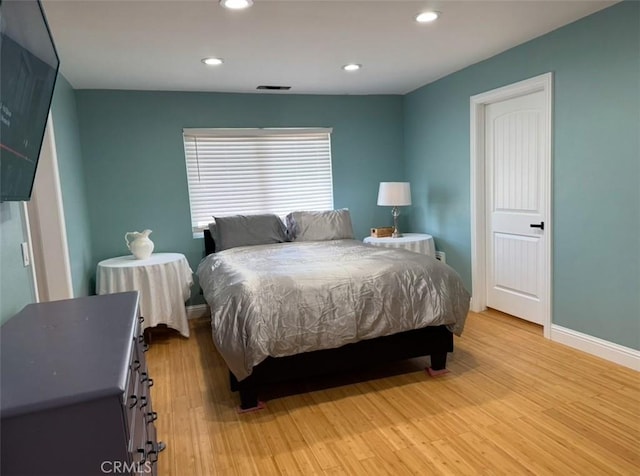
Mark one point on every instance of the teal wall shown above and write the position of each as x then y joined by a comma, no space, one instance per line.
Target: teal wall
16,285
596,160
134,156
72,184
129,152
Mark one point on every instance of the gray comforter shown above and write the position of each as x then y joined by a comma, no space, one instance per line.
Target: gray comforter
287,298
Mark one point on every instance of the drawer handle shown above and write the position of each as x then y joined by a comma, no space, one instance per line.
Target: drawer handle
143,401
157,447
145,378
135,400
136,365
144,455
145,347
140,338
153,454
140,319
151,417
153,451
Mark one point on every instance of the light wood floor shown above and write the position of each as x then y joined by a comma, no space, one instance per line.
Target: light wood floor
514,403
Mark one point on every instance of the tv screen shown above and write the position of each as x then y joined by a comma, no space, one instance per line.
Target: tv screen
28,70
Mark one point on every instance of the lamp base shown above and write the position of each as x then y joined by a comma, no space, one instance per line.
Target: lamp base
396,232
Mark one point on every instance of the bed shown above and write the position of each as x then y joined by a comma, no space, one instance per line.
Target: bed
283,310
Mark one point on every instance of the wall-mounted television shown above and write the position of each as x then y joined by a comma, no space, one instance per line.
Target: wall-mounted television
28,71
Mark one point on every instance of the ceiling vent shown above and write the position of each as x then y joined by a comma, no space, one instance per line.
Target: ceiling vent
274,88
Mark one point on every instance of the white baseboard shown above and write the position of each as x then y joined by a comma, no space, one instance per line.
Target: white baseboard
474,306
600,348
197,311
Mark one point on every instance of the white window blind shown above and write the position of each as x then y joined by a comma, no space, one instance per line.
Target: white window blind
248,171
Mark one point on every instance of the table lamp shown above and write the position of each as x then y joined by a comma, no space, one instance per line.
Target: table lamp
394,194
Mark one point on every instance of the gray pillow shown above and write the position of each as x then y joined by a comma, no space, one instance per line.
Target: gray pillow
320,226
213,230
248,230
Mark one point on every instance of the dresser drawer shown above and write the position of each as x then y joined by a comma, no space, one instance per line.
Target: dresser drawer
153,447
132,379
131,395
143,446
138,448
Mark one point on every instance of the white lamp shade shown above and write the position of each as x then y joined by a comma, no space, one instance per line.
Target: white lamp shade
394,194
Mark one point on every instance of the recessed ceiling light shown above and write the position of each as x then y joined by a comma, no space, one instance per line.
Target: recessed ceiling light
236,4
212,61
352,67
427,17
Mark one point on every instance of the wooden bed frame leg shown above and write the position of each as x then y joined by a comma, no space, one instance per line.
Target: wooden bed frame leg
249,396
233,382
438,364
439,361
248,399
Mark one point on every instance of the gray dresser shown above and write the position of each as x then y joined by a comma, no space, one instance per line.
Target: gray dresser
75,396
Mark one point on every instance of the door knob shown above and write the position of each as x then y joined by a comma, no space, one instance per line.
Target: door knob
538,225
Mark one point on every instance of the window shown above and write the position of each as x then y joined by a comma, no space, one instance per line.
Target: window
248,171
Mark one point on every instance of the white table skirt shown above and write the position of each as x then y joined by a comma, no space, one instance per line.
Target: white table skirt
416,242
164,281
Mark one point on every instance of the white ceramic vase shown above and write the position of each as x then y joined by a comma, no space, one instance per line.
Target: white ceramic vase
139,243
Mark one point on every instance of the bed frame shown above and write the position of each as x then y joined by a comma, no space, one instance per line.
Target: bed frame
433,341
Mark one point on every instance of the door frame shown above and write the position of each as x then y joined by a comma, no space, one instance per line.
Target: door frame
543,83
51,266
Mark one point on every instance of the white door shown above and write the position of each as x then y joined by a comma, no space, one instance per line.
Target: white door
47,226
515,144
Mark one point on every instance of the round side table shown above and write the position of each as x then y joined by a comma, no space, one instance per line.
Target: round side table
164,281
416,242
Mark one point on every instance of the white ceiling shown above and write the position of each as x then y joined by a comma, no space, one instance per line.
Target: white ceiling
158,44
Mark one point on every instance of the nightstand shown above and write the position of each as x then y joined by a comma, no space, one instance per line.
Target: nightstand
164,281
416,242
